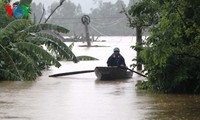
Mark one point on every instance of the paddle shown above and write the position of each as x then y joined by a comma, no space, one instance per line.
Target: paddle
71,73
122,67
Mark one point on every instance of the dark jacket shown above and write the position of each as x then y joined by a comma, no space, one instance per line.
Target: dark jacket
116,61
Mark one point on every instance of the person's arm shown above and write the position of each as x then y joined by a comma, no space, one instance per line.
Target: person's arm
123,61
109,61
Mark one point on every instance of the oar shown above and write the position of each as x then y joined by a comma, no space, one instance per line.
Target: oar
132,71
71,73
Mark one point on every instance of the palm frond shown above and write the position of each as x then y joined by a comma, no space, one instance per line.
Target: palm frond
9,61
71,46
6,75
52,46
37,51
39,27
55,44
14,27
27,67
86,58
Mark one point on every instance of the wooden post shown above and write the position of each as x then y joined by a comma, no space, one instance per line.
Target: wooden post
86,20
87,35
138,42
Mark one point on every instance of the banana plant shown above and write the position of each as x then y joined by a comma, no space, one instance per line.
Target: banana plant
26,49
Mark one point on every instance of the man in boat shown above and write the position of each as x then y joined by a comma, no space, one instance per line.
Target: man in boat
116,59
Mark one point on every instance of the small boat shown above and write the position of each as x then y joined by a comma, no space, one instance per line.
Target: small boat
111,73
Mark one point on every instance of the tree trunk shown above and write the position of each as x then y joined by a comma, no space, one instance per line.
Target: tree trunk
138,42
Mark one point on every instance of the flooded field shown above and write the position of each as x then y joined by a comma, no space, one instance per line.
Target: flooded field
83,97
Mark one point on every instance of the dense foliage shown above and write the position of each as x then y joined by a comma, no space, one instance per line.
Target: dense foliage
171,54
22,53
27,48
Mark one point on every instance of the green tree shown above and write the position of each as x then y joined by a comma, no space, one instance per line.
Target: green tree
171,54
141,16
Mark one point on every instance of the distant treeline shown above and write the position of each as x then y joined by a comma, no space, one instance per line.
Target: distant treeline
106,19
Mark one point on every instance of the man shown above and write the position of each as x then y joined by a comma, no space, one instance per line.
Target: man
116,59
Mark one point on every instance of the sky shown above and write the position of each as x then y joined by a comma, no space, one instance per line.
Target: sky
85,4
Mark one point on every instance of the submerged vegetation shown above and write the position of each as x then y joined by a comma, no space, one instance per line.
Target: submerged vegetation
171,54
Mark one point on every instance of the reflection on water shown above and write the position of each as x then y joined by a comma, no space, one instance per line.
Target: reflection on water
83,97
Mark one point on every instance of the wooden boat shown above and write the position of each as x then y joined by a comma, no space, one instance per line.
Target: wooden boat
110,73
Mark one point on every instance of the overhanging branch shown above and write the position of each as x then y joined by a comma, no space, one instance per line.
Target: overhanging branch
61,2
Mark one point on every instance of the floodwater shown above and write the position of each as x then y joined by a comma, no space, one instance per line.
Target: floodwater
83,97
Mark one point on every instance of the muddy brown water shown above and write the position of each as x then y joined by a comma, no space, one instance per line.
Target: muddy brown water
83,97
